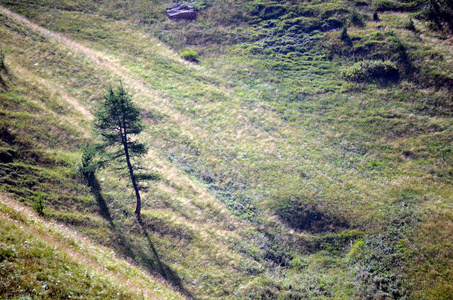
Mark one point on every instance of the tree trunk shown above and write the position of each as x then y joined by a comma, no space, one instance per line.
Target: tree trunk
131,173
134,183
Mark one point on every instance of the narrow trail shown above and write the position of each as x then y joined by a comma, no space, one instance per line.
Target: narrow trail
91,251
142,91
264,141
103,61
61,94
149,98
98,58
136,84
53,87
92,55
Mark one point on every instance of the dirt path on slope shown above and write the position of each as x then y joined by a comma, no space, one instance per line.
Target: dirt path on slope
139,87
187,126
82,109
103,61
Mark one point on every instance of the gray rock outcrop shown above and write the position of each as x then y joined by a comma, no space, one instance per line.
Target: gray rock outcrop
182,11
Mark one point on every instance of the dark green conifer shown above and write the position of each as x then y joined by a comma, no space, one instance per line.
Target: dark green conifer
117,121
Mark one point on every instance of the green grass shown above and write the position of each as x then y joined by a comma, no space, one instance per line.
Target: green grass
271,165
44,261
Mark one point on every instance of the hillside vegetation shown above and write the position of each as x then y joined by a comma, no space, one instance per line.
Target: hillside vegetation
296,150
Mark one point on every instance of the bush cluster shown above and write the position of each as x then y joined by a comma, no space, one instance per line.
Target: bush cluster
38,204
356,18
369,70
439,12
190,55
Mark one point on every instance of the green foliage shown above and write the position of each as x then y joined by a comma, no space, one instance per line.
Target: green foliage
148,176
242,206
385,5
333,23
355,250
2,60
334,243
370,70
269,10
440,12
372,257
190,55
392,5
117,121
344,36
410,25
301,215
356,18
38,204
90,162
376,16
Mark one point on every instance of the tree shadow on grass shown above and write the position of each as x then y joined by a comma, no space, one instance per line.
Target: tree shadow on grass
169,275
152,263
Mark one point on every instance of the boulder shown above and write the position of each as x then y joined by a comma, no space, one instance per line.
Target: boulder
182,11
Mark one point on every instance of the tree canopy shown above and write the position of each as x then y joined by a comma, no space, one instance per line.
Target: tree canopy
117,120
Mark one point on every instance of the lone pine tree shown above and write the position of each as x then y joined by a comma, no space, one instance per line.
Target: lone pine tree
117,120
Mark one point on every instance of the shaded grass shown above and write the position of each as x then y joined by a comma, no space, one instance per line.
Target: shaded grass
40,260
24,258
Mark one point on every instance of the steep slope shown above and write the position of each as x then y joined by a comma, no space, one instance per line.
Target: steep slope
276,176
57,185
51,261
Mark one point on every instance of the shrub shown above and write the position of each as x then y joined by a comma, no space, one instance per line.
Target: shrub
38,204
386,5
410,25
370,70
334,45
190,55
90,163
333,23
439,12
376,16
356,18
2,60
344,36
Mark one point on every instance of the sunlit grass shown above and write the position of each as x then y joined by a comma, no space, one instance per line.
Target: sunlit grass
238,137
52,261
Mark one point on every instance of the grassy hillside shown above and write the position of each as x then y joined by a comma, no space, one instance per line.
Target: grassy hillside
46,261
307,155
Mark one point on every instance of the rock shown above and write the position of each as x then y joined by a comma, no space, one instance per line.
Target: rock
182,11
